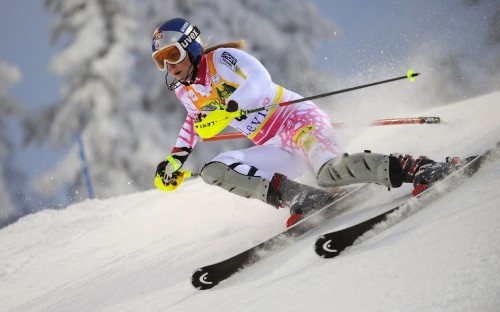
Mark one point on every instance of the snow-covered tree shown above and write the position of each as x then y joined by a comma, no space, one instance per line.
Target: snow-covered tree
9,107
114,96
494,42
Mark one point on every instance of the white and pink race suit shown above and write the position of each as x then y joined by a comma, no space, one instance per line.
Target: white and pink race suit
289,139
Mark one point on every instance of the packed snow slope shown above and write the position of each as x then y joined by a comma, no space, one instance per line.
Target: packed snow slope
137,252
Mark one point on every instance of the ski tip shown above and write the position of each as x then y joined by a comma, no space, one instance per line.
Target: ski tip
411,75
324,247
200,279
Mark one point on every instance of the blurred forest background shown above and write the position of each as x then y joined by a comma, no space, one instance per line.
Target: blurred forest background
104,88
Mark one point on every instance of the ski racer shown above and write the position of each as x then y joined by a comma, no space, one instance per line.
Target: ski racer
288,140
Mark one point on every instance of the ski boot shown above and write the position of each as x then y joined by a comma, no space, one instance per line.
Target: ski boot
300,198
423,172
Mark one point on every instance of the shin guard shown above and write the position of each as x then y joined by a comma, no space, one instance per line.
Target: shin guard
361,168
217,173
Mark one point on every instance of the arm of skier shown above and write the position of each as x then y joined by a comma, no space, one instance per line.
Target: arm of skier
242,68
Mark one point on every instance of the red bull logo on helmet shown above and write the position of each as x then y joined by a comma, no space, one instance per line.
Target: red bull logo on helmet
157,36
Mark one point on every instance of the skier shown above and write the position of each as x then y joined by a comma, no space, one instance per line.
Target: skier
289,140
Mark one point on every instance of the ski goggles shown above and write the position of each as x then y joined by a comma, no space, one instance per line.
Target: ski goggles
173,53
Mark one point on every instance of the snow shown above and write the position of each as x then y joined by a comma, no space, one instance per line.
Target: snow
137,252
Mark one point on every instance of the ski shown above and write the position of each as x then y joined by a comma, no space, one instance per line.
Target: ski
209,276
331,244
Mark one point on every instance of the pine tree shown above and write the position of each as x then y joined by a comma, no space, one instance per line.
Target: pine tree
9,107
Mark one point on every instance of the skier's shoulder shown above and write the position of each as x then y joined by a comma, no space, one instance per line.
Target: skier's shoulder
228,56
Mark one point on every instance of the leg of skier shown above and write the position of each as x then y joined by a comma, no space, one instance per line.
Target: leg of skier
264,173
389,170
306,141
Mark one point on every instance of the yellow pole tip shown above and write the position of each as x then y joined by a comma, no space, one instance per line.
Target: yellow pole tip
411,75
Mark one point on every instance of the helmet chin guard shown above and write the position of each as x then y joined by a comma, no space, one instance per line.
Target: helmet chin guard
174,83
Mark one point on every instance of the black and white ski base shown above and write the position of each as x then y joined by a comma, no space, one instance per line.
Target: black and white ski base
209,276
331,244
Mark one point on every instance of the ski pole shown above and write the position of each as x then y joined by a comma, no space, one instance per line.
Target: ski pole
410,75
217,120
338,125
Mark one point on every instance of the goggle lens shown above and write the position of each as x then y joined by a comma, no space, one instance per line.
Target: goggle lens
172,54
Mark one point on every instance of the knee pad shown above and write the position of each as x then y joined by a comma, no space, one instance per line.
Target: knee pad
361,168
